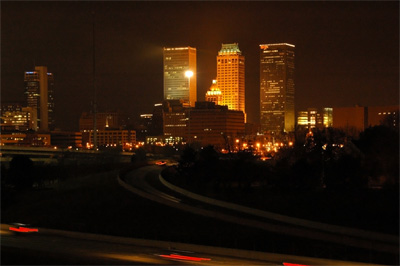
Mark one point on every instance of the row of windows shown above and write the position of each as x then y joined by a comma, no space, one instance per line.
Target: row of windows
233,60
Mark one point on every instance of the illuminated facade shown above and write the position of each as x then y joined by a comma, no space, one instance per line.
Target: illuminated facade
230,76
177,84
15,117
315,118
277,87
214,94
39,92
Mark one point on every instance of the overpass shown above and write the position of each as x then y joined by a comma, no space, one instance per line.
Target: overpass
53,155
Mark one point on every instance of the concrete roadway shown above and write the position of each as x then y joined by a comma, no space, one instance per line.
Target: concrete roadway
146,183
50,246
63,247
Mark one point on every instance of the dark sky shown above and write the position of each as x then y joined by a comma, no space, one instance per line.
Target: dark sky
347,53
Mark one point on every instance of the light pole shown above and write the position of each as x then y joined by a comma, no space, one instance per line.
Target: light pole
189,74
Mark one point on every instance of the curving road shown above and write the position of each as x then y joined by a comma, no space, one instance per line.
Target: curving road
65,247
148,183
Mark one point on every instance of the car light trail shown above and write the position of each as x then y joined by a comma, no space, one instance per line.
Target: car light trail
24,229
293,264
180,257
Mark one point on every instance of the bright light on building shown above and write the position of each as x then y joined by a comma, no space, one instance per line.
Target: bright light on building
189,74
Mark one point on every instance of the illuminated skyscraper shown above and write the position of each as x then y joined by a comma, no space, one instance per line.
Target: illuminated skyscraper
39,89
177,84
277,87
230,76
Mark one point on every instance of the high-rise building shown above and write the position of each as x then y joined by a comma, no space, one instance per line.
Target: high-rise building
180,75
39,91
277,88
230,76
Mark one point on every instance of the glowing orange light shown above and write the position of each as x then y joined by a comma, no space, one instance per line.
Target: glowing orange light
180,257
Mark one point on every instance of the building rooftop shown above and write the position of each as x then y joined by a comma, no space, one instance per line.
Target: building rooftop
231,48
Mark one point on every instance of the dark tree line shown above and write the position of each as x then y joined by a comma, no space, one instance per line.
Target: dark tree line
326,159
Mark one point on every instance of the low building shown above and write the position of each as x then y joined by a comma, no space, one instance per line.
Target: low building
354,120
27,138
104,120
16,117
65,139
110,138
315,118
216,125
384,115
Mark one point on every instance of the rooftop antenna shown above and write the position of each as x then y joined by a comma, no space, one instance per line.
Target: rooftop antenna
94,92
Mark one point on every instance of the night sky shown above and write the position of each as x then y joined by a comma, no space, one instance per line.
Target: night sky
347,53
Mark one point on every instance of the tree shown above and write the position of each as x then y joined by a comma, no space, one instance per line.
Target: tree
188,157
21,172
380,145
139,156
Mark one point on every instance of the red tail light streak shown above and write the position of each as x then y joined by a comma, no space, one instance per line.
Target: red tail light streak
180,257
23,229
293,264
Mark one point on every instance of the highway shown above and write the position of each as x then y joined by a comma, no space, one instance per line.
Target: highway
148,183
50,246
62,247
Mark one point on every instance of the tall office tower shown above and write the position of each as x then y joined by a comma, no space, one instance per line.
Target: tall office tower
39,89
277,87
180,75
230,76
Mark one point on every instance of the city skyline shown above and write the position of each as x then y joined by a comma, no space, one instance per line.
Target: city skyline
341,58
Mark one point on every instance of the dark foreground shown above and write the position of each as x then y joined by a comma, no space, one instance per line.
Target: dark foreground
97,204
